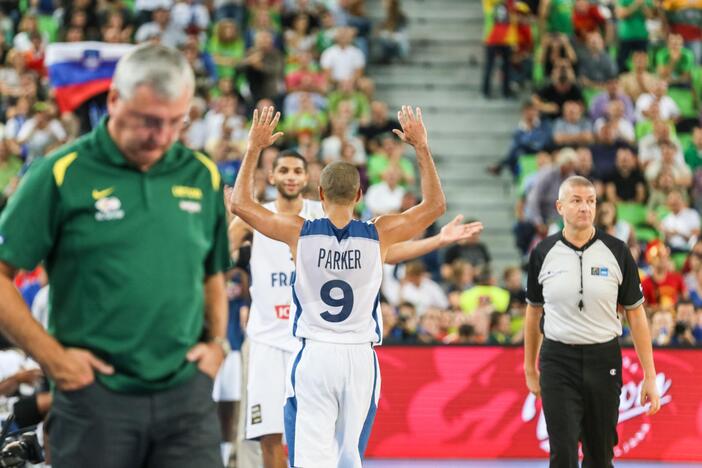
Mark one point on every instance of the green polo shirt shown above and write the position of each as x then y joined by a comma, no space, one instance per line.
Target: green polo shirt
127,253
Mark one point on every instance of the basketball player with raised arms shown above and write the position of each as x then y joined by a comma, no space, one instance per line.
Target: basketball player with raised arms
334,381
271,266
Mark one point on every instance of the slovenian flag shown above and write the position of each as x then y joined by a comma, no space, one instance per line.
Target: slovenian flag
81,70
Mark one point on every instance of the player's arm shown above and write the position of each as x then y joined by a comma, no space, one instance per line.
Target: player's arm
237,232
644,350
450,233
282,227
407,225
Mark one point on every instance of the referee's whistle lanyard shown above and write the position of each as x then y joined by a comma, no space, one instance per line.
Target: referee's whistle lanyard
579,253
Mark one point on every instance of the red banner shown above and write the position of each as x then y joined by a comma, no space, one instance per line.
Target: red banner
472,402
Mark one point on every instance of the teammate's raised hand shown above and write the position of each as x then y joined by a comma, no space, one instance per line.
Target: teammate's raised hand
263,125
456,230
413,131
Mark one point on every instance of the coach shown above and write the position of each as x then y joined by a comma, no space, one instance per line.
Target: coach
131,226
576,279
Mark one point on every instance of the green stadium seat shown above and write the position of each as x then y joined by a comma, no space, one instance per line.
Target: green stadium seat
679,260
527,166
632,213
589,94
48,25
685,101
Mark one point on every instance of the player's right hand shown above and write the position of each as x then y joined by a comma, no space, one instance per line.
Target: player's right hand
532,381
76,368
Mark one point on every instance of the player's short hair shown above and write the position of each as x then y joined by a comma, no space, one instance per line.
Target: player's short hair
573,181
289,154
340,182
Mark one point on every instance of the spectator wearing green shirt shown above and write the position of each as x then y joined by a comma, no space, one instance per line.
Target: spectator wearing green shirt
346,91
226,48
389,152
556,16
674,63
631,28
131,226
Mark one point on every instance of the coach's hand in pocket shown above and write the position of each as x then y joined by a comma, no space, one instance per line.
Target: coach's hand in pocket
209,357
76,368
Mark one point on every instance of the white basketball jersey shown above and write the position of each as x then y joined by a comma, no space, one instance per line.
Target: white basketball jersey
271,277
336,288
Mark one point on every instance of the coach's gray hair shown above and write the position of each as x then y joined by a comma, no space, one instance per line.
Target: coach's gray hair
163,69
570,182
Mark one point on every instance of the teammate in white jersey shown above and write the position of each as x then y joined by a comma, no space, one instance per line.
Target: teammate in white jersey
334,382
271,269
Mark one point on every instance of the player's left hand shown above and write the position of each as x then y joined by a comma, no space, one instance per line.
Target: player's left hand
263,125
649,392
456,230
413,131
209,356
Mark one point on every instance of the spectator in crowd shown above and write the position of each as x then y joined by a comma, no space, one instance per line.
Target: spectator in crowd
656,104
550,99
263,68
658,197
639,80
556,16
10,165
627,183
161,28
631,28
42,132
226,48
595,66
621,127
674,63
693,159
343,61
588,17
683,333
500,329
584,166
606,220
420,290
540,210
522,55
386,197
532,135
390,152
380,123
498,43
599,107
472,251
390,37
662,327
681,226
485,294
683,19
514,284
650,146
555,50
670,160
573,129
664,286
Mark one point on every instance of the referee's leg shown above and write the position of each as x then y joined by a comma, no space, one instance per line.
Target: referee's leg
560,367
602,388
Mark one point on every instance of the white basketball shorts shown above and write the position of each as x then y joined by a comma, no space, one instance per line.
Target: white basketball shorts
227,384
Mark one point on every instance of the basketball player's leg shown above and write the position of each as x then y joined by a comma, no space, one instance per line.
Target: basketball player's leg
358,404
227,393
266,390
312,406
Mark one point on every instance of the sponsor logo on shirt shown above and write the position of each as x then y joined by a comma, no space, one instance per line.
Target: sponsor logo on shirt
182,191
599,271
108,209
190,206
282,311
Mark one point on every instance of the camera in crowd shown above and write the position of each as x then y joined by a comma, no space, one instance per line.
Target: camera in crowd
20,448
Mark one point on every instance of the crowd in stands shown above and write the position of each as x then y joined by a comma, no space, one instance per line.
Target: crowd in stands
615,89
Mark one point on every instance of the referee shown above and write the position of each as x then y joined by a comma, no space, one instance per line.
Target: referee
576,278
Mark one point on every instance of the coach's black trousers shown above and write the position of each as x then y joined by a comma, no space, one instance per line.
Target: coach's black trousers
580,388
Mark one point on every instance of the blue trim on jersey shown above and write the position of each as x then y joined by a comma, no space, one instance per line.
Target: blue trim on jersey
370,417
375,318
324,227
290,410
296,301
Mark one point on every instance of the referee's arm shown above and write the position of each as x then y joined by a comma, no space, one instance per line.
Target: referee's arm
644,350
532,343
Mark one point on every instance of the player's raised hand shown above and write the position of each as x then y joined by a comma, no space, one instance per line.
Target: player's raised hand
413,131
263,125
456,230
